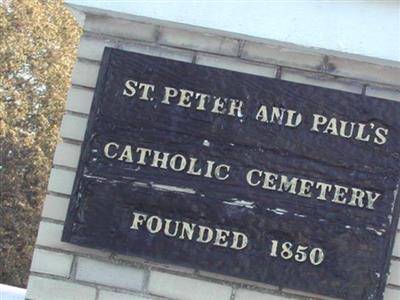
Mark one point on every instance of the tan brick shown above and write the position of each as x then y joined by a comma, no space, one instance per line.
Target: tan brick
79,99
85,73
178,287
308,295
282,56
198,41
92,48
390,94
320,80
79,16
238,280
243,294
50,289
61,181
394,277
55,207
365,71
396,248
121,28
109,274
73,127
236,64
67,155
107,295
49,235
391,294
159,51
51,262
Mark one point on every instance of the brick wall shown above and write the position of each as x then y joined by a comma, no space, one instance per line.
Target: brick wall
64,271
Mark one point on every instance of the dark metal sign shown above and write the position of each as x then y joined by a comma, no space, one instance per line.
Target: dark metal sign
266,180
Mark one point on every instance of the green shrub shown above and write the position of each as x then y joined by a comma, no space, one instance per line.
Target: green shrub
38,41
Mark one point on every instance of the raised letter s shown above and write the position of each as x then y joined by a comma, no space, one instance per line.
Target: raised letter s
130,88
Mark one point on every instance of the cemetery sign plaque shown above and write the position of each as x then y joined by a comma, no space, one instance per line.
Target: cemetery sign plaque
253,177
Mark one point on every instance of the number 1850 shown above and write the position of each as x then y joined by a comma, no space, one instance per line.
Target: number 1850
299,253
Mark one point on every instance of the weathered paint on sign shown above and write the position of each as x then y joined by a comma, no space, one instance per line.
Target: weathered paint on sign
266,180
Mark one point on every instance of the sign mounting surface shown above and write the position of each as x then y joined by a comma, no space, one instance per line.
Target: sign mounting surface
258,178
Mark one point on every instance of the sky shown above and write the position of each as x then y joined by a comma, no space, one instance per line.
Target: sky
363,27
